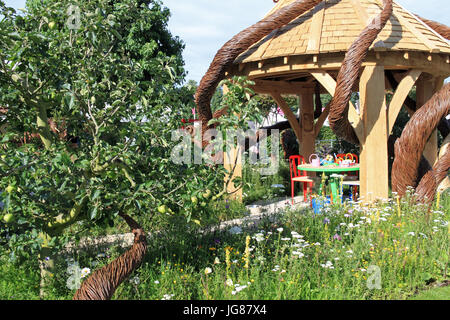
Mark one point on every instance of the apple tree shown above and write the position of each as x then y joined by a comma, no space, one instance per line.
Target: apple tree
90,92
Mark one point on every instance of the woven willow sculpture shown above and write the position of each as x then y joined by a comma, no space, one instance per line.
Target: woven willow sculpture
102,284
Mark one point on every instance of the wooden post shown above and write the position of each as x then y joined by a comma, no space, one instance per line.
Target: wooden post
233,159
425,90
308,143
232,162
374,150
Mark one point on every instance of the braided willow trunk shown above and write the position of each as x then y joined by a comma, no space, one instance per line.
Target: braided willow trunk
431,180
440,28
430,116
409,148
102,284
347,77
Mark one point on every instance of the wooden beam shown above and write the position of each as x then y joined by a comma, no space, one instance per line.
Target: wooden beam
439,83
289,115
315,32
308,145
323,117
399,97
282,87
444,185
374,149
330,84
425,90
325,80
392,60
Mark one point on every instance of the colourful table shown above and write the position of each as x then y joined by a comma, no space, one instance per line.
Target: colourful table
329,170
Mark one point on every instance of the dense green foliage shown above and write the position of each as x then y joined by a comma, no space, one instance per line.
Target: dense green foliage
111,89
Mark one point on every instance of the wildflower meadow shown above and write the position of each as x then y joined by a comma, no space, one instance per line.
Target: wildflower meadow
392,249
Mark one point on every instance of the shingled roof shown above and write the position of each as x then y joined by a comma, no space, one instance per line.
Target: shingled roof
333,25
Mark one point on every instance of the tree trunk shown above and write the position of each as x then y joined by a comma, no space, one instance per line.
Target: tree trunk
42,126
46,265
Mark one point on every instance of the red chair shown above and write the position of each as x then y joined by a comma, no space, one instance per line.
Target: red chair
348,156
299,176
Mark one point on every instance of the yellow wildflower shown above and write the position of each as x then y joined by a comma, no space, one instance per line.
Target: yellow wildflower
437,200
227,258
247,252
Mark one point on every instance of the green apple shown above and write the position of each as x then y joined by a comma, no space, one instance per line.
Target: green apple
15,77
162,209
3,165
8,218
194,199
52,25
9,189
203,204
207,194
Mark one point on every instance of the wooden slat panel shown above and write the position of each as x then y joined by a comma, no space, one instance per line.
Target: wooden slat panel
315,31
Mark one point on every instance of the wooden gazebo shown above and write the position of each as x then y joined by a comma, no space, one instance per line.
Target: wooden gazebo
310,50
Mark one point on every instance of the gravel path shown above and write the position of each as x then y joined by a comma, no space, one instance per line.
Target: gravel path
257,212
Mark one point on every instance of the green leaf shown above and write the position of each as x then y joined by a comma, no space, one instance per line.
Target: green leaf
96,194
93,213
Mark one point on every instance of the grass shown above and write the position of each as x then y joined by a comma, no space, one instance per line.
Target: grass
442,293
261,187
338,254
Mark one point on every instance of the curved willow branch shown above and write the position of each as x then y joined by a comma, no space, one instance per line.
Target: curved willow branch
430,182
440,28
410,146
102,284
